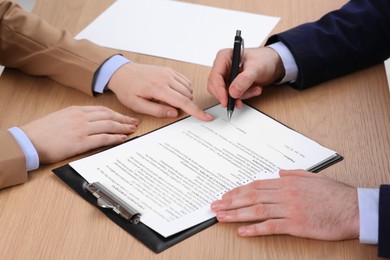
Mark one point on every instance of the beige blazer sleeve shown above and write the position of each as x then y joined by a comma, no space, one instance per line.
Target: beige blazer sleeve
30,44
12,161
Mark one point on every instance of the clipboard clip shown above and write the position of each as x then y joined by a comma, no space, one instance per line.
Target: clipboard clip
107,199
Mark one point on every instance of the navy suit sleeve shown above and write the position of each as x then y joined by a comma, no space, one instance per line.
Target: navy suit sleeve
343,41
384,221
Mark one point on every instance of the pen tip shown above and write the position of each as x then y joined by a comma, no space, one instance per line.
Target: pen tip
229,114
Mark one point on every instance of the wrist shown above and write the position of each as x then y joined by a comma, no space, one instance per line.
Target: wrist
279,71
119,76
287,61
106,71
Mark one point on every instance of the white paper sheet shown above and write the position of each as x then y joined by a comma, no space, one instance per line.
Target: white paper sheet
171,175
387,67
175,30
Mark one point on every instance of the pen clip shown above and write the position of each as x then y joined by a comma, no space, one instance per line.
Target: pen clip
242,52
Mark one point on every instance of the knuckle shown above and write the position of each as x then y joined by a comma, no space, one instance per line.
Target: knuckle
247,79
271,227
223,52
209,85
78,116
251,196
228,202
105,139
122,128
168,72
256,184
111,124
260,210
73,111
291,191
234,214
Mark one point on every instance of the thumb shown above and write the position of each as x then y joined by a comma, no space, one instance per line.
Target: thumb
240,85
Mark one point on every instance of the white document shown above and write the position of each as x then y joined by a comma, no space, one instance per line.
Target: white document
175,30
387,68
172,175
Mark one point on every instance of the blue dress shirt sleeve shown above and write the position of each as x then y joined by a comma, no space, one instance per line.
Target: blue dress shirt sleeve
369,215
32,159
105,72
290,66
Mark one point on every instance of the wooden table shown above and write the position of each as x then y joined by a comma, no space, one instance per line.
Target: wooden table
44,219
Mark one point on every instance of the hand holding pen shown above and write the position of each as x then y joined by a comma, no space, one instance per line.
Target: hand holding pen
238,49
262,67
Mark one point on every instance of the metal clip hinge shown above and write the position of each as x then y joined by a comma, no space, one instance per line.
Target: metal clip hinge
107,199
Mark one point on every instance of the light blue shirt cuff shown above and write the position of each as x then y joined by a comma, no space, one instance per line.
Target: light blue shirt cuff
32,159
369,215
105,72
290,66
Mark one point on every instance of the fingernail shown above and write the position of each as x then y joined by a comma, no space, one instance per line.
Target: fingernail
221,215
214,206
208,116
172,113
242,231
134,121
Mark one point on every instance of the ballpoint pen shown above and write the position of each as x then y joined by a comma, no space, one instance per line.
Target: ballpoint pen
236,63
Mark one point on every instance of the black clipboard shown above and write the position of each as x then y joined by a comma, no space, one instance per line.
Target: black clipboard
150,238
143,233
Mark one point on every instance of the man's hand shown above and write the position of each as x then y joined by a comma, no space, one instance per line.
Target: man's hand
298,203
261,67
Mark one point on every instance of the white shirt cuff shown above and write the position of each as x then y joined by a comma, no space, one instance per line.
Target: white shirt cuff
369,215
105,72
32,158
290,66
